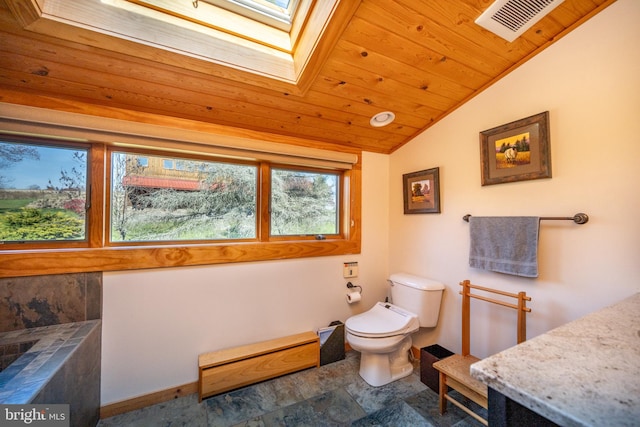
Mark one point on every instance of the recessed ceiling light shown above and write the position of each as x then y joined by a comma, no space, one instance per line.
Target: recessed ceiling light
382,119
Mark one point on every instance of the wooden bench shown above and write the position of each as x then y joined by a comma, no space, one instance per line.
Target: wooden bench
231,368
455,370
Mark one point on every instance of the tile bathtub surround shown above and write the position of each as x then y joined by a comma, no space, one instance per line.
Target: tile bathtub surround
31,302
331,395
585,373
25,378
77,382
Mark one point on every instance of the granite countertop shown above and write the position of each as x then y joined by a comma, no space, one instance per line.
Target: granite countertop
584,373
21,382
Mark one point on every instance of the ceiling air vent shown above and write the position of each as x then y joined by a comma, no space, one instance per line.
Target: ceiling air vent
510,18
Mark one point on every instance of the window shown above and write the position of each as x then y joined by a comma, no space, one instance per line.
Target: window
226,199
304,203
178,199
199,200
43,192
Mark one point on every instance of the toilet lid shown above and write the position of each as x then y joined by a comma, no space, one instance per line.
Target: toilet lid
383,320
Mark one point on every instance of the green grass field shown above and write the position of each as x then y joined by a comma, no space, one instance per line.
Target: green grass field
11,205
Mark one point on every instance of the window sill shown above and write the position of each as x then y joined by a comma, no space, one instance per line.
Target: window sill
49,261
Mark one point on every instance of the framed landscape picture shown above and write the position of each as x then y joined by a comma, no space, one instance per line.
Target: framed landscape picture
516,151
422,191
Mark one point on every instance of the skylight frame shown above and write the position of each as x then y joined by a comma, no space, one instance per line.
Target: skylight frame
116,27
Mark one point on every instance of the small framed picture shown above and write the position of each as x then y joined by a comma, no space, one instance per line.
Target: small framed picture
422,191
516,151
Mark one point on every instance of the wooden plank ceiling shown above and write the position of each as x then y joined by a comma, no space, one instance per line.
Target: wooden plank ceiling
420,59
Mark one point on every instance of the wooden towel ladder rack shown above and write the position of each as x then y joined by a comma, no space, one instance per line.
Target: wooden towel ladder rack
454,370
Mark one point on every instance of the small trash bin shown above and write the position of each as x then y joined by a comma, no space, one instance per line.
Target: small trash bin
332,343
428,356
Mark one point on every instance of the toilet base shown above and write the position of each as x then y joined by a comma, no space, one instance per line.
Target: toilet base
378,369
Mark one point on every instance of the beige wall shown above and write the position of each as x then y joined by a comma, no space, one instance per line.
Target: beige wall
589,82
157,322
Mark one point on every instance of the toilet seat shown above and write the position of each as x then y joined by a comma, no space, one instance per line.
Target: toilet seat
381,321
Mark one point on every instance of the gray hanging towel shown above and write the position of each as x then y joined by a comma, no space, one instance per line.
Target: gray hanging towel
505,244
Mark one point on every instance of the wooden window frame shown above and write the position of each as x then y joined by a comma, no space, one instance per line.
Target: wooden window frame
175,158
97,255
341,208
93,194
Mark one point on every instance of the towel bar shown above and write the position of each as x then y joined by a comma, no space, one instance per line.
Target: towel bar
579,218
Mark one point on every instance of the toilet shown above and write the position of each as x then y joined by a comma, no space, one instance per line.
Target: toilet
382,335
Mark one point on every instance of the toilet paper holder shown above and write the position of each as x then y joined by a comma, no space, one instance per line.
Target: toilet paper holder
351,286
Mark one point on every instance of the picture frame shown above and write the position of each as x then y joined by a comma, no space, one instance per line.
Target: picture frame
422,191
516,151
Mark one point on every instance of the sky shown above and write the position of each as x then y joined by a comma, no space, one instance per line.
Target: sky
29,172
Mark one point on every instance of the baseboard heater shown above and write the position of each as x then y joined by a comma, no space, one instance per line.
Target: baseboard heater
236,367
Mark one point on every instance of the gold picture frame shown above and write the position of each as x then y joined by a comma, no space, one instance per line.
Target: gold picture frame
516,151
422,191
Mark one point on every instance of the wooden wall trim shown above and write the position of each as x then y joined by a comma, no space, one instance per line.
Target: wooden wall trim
148,400
77,260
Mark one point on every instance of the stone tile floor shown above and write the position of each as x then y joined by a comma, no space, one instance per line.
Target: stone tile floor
332,395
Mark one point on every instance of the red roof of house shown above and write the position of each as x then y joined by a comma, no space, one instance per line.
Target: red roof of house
176,184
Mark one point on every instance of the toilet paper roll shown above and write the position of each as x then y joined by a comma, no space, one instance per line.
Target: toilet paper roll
353,297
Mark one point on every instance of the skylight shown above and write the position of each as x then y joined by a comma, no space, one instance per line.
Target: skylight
192,34
276,13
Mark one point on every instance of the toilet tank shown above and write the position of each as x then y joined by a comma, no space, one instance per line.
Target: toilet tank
419,295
